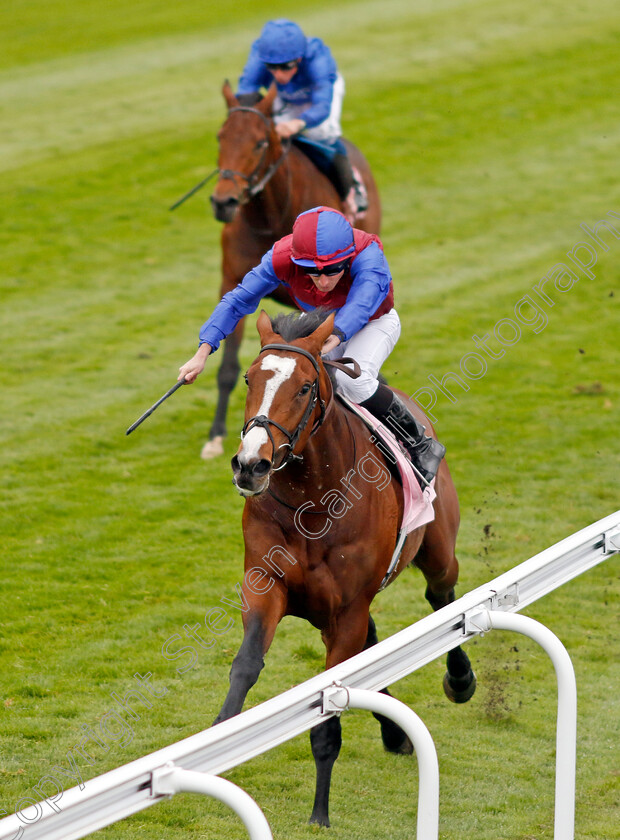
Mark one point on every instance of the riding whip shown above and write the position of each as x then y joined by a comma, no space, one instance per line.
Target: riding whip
153,407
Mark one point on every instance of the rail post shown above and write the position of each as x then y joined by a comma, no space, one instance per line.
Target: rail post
168,780
566,727
338,698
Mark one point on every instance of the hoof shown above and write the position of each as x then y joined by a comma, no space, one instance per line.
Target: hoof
395,739
317,819
212,448
459,689
404,748
397,743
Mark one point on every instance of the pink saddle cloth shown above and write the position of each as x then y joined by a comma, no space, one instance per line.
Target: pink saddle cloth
418,503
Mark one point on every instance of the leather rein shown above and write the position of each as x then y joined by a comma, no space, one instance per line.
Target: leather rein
263,422
253,186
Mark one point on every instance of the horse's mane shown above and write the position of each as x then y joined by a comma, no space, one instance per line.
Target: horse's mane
299,324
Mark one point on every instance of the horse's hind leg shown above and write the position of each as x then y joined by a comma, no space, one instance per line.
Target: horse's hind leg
459,681
227,377
394,739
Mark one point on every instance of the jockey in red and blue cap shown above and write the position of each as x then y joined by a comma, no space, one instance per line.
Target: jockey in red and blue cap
325,262
309,99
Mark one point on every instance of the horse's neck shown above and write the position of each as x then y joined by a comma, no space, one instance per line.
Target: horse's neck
271,211
286,194
329,455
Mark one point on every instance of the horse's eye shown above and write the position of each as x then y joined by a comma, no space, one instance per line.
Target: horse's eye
245,378
305,390
260,145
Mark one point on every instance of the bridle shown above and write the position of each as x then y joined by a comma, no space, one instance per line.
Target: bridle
261,421
254,185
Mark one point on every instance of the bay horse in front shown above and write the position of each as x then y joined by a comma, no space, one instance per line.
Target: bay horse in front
320,529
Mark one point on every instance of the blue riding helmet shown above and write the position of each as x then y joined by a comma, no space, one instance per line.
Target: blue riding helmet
281,41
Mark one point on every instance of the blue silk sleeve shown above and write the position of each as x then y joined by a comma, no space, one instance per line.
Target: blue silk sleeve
255,75
241,301
321,71
371,285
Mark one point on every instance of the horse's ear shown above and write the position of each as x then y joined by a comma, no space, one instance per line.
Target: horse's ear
266,103
318,338
265,330
229,96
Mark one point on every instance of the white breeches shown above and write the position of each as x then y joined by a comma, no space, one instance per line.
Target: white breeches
370,347
329,130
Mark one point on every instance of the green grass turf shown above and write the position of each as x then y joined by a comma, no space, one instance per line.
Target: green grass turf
492,129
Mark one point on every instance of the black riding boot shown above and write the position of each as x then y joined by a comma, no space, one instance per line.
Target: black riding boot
341,174
347,181
426,452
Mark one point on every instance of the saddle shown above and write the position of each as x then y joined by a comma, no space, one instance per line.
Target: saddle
334,163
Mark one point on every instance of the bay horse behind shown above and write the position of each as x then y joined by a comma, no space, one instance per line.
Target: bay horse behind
264,184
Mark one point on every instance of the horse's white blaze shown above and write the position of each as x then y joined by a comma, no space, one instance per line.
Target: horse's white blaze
282,370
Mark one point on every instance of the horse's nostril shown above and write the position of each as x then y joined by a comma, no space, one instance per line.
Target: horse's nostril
224,209
229,202
261,467
236,467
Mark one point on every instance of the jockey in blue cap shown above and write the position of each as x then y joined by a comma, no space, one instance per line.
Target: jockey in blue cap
325,262
309,99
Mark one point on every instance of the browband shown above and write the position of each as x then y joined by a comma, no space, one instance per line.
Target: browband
340,365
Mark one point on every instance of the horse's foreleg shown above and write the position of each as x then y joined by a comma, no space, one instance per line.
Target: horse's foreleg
325,740
394,738
344,639
227,377
246,666
259,629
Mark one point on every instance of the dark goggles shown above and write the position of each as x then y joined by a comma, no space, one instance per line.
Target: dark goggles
286,65
327,270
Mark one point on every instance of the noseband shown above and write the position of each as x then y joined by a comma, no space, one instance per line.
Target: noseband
264,422
255,186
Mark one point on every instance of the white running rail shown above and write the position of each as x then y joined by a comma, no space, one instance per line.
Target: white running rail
133,787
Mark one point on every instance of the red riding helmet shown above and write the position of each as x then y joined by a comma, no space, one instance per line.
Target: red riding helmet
321,236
